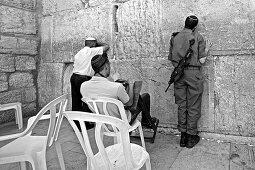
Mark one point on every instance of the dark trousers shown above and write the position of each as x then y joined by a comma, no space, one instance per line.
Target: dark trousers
77,104
188,96
76,81
143,106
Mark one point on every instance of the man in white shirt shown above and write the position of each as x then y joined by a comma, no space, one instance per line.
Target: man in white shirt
83,71
100,86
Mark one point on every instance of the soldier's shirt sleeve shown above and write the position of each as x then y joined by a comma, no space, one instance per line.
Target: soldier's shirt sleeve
201,46
97,51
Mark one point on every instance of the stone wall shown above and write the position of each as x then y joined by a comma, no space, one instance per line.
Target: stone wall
139,32
18,56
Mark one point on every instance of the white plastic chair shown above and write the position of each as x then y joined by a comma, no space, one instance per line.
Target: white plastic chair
33,148
94,105
18,112
120,156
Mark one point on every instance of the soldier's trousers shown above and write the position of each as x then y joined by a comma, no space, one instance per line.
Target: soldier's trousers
188,96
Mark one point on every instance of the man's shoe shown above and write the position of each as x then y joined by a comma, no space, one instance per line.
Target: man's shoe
184,139
192,140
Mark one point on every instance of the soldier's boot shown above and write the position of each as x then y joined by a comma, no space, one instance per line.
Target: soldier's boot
184,139
192,140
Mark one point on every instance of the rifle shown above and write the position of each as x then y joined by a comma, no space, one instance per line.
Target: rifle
179,70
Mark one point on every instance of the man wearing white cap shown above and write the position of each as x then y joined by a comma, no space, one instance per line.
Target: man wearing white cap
82,70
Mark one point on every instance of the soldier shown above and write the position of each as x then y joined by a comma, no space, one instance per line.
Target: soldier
188,90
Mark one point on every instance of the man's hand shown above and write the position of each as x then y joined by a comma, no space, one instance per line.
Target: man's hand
125,83
207,51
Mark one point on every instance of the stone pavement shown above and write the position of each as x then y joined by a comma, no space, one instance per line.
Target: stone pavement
165,153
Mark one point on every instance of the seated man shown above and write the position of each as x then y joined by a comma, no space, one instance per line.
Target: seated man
100,86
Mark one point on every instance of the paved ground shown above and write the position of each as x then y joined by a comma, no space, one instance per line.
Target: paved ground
165,153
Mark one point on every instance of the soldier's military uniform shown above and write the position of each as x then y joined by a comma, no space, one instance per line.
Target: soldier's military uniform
188,90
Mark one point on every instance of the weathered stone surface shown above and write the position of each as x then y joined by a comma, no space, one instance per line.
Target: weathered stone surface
3,77
53,6
10,96
49,82
7,116
26,4
224,101
29,95
17,21
6,63
18,80
241,157
3,86
155,74
139,33
18,45
68,71
227,24
244,95
64,34
46,38
25,63
29,109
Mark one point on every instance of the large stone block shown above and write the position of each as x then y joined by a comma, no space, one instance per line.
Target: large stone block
26,4
50,82
139,32
46,38
3,77
10,96
6,63
29,95
18,45
245,95
17,21
3,86
224,101
25,63
18,80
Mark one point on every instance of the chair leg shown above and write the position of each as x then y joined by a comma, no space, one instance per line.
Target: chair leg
148,164
40,161
19,116
60,155
23,165
58,124
155,128
141,136
88,164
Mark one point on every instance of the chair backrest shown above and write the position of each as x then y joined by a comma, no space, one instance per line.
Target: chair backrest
99,105
99,120
52,107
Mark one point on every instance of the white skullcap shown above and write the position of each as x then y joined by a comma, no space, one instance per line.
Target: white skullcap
90,38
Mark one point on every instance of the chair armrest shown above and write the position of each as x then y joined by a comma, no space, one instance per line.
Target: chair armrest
12,136
134,125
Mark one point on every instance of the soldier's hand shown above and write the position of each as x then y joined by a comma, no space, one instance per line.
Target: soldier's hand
208,46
